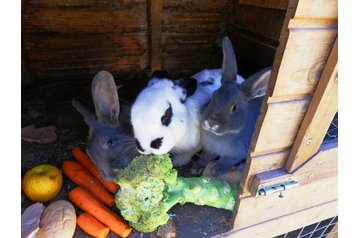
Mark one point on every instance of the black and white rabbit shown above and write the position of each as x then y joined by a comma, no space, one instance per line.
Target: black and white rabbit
229,119
165,115
111,144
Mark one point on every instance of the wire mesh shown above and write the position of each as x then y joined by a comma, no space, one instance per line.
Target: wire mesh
332,133
322,229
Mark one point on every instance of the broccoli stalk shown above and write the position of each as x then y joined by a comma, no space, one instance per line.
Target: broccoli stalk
150,187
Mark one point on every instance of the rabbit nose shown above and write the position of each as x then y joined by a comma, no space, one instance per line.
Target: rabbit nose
210,127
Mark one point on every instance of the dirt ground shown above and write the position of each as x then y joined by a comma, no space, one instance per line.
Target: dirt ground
48,103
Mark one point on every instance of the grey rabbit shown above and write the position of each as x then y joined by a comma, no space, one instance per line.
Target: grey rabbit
111,144
228,120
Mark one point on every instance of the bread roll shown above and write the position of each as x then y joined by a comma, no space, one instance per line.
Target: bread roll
58,220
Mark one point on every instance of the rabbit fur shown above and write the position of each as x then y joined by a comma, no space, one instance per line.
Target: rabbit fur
229,119
165,115
111,144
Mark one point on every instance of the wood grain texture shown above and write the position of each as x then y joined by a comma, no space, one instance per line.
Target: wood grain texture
323,165
277,131
155,19
275,4
65,39
323,107
192,33
255,210
290,222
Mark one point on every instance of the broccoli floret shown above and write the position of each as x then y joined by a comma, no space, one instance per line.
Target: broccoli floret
150,186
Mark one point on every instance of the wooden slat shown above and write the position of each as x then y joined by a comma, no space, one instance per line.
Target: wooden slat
283,224
317,9
155,18
323,165
50,20
320,113
299,77
262,21
255,210
275,4
278,130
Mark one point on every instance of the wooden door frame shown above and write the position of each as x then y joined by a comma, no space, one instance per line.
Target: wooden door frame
293,113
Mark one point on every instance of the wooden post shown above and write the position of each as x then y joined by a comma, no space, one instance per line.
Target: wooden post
323,106
155,31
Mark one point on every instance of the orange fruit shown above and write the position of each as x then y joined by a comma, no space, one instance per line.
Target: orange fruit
42,183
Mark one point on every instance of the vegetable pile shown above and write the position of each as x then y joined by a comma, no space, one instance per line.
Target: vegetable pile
94,197
150,187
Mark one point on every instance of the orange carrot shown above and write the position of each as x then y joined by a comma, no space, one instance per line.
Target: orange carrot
82,177
92,226
87,202
86,162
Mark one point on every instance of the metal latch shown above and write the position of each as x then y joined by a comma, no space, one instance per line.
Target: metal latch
274,188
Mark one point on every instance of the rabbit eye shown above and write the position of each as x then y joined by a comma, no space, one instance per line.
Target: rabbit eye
167,117
235,107
109,143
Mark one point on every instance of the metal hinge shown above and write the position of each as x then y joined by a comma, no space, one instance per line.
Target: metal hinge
279,187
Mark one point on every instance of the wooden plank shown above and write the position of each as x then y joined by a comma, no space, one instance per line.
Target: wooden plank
312,22
155,19
319,115
275,4
317,9
55,20
98,4
197,6
260,164
278,130
299,77
323,165
255,210
266,22
283,224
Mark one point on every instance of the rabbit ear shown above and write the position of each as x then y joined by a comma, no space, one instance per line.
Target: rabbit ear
89,117
229,67
256,85
187,87
105,98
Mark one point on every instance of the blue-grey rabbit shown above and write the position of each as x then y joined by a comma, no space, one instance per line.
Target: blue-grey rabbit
229,119
111,144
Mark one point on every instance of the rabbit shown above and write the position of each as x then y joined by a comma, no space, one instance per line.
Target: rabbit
228,120
111,144
165,115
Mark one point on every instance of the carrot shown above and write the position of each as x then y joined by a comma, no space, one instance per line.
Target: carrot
92,226
86,162
88,203
82,177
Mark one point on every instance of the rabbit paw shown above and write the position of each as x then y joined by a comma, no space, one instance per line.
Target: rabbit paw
219,168
196,169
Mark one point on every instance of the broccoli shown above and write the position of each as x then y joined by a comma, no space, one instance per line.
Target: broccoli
149,187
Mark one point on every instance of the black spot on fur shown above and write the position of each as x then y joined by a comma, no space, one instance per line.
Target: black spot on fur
167,117
157,143
189,85
139,147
